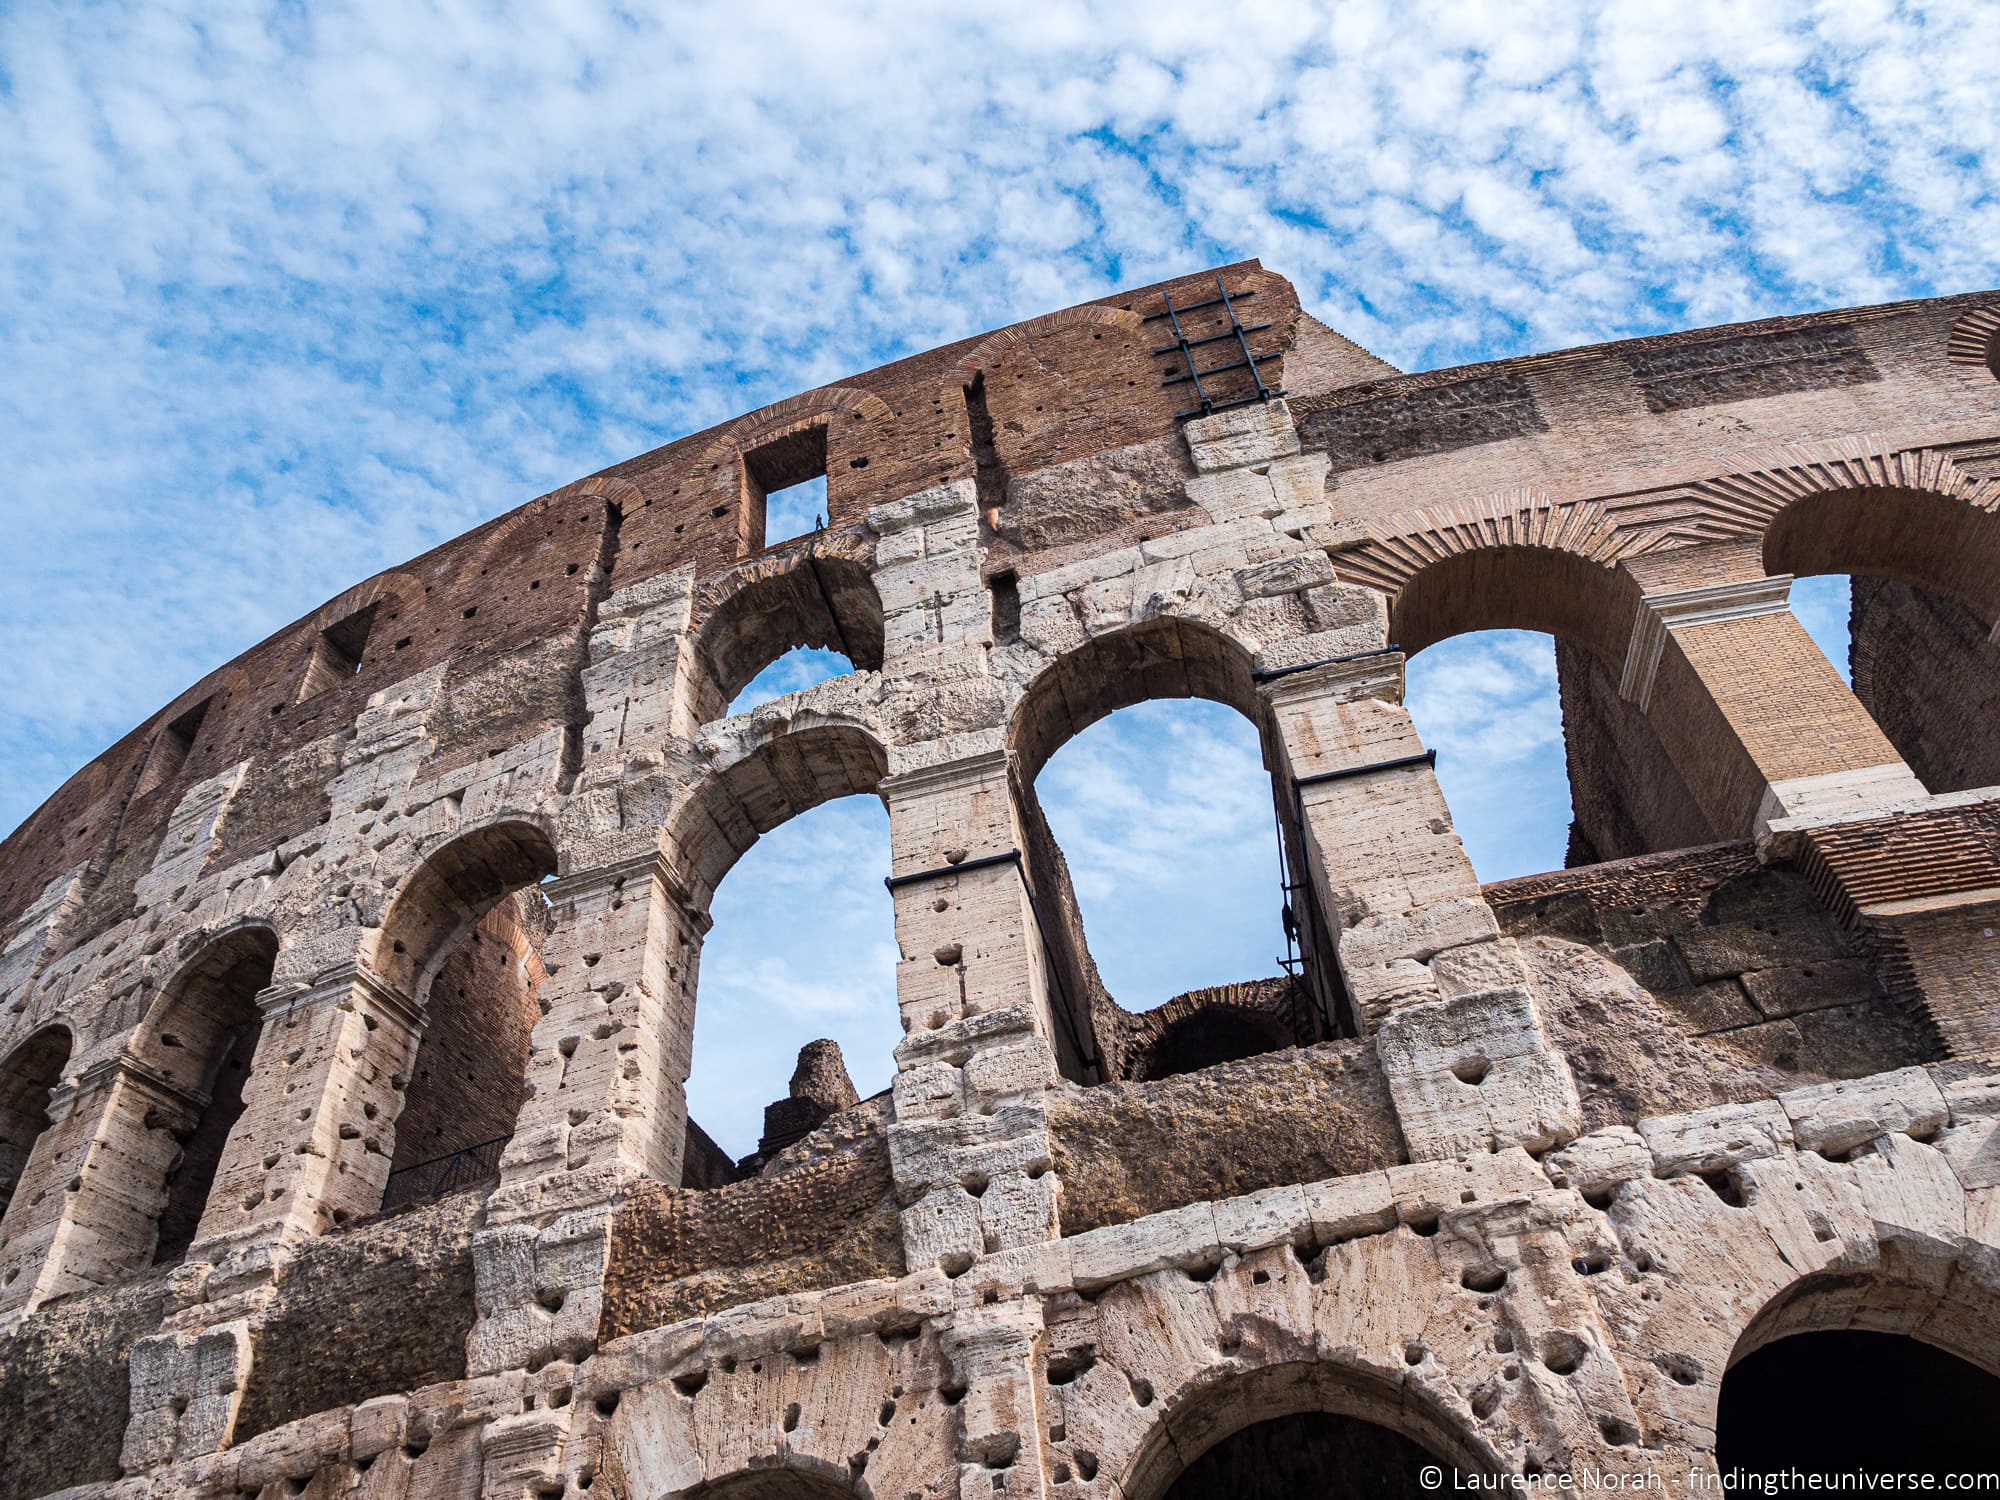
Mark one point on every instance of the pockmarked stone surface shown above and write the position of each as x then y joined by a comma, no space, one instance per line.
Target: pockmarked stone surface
346,1004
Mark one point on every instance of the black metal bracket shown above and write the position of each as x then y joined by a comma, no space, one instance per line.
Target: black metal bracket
1427,758
984,862
1194,373
1272,674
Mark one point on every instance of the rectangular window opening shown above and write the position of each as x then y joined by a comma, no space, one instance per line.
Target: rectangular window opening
336,653
784,489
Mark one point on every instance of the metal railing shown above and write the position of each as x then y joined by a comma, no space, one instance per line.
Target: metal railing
427,1180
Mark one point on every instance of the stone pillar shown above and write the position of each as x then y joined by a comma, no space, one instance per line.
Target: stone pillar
607,1103
969,1146
1420,950
87,1212
608,1063
1759,722
312,1148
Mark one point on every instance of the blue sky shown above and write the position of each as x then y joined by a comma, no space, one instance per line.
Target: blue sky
290,293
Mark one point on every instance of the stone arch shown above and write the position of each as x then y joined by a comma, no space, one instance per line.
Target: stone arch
799,1477
450,891
462,942
819,595
790,774
1908,1334
29,1075
1168,657
1220,1401
199,1039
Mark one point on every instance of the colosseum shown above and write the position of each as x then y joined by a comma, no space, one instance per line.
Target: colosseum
346,1004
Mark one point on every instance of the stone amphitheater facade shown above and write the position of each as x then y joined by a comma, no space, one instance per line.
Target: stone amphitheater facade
1508,1176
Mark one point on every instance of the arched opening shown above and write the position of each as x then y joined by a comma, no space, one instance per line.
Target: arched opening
203,1043
785,853
27,1078
1310,1453
809,599
789,1483
798,669
464,941
1489,704
1164,885
1901,588
801,959
1299,1429
1912,1408
1516,656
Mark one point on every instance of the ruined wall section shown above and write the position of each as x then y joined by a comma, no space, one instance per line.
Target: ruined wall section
1929,672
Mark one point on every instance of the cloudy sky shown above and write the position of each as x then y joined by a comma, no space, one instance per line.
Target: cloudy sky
289,293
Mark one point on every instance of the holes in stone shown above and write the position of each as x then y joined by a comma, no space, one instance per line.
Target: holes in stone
1425,1225
1142,1392
886,1415
1485,1401
1202,1270
558,1398
952,1394
975,1183
1723,1185
792,1417
551,1299
1681,1370
1413,1354
1593,1262
955,1265
606,1404
1562,1352
1601,1199
1484,1279
1618,1434
690,1384
1258,1278
415,1451
1086,1465
1065,1367
1471,1070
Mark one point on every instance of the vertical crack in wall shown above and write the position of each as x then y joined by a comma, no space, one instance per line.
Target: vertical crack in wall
598,590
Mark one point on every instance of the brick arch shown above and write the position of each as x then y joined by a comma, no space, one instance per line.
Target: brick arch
405,588
1913,517
990,350
598,490
1516,560
819,595
815,761
1973,345
772,423
1215,1402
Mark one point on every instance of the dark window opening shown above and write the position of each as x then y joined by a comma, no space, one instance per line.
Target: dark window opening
1310,1453
1006,590
27,1078
336,653
1918,1410
784,489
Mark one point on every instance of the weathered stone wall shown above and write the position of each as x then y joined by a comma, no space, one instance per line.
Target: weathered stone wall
447,848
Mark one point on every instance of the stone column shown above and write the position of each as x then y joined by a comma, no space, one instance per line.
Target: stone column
969,1145
1418,947
607,1103
312,1148
87,1211
1757,719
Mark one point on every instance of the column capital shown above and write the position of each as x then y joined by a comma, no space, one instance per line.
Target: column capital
124,1066
647,864
949,773
1683,609
332,986
1344,679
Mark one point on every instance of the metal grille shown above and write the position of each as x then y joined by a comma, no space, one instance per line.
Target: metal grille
427,1180
1236,382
